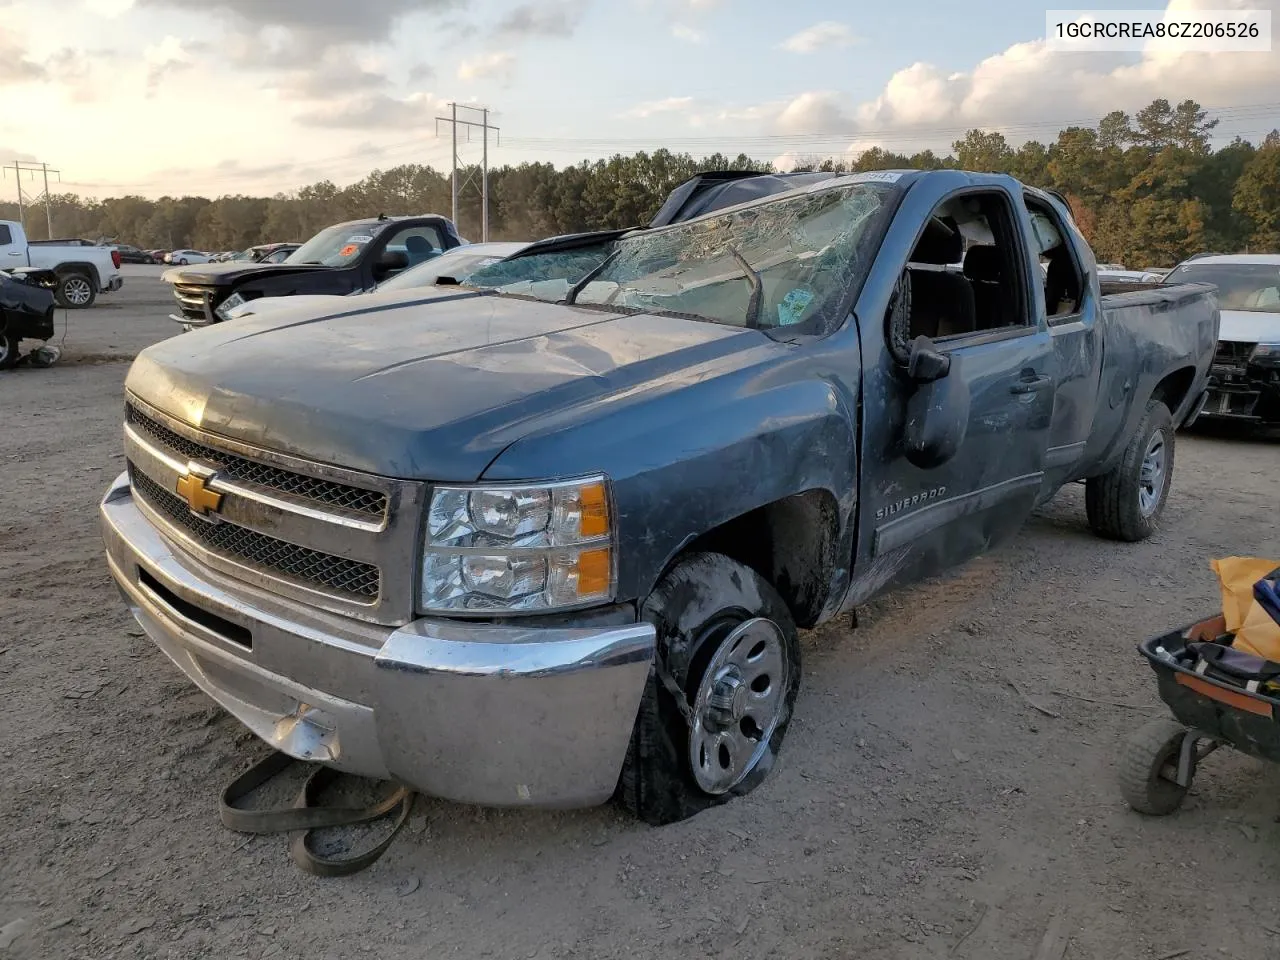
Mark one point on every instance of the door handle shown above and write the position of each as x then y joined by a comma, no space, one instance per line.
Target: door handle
1031,384
15,253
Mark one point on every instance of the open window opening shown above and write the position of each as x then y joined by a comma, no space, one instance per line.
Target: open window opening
1063,279
965,272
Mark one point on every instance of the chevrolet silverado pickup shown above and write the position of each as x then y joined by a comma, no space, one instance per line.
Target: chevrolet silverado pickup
546,538
83,271
344,258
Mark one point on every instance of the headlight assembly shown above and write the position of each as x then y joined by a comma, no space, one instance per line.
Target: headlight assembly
225,308
518,548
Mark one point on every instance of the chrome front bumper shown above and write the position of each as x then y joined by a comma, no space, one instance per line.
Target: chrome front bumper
515,714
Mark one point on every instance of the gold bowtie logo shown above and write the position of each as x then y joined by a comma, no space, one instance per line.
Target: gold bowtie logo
201,500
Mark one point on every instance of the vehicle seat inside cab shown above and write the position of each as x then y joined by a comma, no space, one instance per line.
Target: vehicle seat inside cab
942,301
419,249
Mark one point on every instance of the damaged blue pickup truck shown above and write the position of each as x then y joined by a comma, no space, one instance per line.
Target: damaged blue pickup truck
546,537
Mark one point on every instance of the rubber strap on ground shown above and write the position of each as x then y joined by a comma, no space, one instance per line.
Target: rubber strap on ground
304,816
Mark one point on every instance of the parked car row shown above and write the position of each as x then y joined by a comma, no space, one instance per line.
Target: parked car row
603,480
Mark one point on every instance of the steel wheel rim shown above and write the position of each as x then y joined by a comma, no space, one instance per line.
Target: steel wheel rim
76,290
1151,475
7,345
738,705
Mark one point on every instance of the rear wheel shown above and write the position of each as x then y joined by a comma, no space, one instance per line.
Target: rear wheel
75,291
1126,504
8,350
720,696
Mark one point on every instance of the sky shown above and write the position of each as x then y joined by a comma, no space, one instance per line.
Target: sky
260,97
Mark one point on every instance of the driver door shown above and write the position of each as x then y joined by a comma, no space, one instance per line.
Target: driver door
953,461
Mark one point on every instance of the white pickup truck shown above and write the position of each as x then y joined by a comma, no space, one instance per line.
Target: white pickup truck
83,272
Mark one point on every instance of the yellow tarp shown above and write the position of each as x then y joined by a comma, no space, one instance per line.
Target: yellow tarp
1255,631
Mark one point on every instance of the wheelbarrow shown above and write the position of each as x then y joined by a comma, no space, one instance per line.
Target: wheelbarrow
1212,706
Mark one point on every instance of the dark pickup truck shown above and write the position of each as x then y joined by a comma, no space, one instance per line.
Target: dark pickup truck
357,255
547,538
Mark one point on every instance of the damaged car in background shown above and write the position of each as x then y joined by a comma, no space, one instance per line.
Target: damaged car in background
1244,383
27,300
548,539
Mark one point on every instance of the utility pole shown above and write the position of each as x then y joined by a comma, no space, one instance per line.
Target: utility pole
31,169
22,211
485,126
484,183
453,125
48,210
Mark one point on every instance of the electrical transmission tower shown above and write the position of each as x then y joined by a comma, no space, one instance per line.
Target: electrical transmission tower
19,167
484,125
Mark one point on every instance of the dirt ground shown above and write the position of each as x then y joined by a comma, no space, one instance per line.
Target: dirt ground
923,808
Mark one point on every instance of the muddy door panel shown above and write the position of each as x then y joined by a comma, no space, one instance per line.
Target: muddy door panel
918,520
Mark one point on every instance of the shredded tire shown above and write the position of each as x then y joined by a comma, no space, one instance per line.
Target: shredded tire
704,589
1111,500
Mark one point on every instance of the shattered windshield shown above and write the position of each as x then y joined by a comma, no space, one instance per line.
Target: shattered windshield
547,276
336,246
1253,287
779,263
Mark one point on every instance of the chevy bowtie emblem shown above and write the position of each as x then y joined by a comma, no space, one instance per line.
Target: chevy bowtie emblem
192,488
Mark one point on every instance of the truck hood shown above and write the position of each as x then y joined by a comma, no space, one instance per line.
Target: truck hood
314,302
1246,326
430,391
232,272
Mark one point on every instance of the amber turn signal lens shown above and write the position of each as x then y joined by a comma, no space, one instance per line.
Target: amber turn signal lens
594,573
595,511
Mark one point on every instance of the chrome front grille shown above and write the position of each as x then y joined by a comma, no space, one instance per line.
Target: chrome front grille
321,492
310,568
338,539
193,300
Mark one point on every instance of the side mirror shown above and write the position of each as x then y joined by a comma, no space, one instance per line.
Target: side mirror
938,410
392,260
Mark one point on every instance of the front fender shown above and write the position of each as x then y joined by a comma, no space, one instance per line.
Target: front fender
691,459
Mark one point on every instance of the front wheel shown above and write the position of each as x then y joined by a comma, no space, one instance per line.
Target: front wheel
1126,504
75,291
182,262
720,695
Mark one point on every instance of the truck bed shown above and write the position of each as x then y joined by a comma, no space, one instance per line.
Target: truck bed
1165,332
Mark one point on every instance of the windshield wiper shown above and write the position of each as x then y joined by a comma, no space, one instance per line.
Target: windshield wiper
757,289
581,285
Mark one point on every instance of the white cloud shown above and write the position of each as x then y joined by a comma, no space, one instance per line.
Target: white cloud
818,111
496,65
653,107
828,33
687,34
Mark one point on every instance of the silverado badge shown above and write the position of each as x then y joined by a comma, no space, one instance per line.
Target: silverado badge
191,487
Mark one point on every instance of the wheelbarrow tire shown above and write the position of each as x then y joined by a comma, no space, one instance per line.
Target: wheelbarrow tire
1146,753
